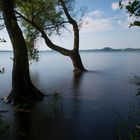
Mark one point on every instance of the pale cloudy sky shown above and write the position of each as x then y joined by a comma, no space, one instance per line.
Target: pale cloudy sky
104,25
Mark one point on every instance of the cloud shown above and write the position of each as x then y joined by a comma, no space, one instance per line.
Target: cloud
94,22
115,5
96,13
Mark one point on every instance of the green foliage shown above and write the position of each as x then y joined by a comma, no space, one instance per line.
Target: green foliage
54,105
46,14
124,131
33,52
2,26
69,4
133,8
2,40
135,23
2,70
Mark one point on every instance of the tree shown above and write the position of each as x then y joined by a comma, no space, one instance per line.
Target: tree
133,8
47,16
23,89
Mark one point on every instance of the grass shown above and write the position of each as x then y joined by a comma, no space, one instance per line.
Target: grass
124,131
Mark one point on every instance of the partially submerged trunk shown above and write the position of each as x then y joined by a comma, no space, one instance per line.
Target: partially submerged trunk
77,62
23,89
75,55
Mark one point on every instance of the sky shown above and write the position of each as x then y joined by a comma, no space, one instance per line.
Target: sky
104,25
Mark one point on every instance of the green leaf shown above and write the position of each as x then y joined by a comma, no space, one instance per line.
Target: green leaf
136,23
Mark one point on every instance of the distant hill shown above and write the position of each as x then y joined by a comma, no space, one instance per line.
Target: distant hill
108,49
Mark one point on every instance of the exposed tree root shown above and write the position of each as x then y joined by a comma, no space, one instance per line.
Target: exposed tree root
19,97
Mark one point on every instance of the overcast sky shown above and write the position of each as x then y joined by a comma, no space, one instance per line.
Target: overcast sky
104,25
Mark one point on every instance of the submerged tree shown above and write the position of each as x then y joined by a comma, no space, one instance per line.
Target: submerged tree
47,16
23,89
133,8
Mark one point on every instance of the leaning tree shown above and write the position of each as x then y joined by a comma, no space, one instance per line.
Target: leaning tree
23,89
44,17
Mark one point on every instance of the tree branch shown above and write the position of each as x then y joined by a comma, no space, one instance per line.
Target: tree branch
49,43
57,25
74,24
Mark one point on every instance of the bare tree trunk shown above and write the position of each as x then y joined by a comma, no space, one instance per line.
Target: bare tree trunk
76,58
22,88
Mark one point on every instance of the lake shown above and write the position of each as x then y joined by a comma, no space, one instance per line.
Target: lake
84,106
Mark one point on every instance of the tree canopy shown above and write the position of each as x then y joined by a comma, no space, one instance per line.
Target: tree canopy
46,17
46,14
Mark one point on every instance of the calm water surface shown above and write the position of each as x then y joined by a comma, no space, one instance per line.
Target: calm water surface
84,108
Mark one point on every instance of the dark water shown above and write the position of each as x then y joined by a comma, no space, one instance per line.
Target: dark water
84,107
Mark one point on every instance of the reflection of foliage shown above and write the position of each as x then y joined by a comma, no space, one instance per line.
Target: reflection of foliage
55,105
4,127
24,108
138,92
137,78
133,8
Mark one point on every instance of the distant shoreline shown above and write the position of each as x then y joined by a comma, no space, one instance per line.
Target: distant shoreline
106,49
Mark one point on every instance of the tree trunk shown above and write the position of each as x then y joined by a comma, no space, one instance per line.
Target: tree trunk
77,62
22,88
75,55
